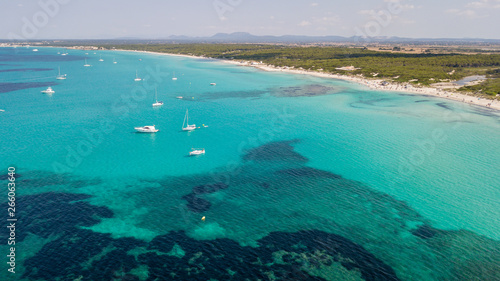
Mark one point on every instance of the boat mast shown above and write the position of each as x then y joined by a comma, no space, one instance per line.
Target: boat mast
184,120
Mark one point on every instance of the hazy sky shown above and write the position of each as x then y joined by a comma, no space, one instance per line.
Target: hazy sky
88,19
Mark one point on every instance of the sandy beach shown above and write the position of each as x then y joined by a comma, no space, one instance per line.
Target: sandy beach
374,84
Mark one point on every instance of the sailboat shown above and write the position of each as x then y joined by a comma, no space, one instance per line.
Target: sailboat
114,61
100,58
188,127
157,103
173,77
59,76
86,64
137,77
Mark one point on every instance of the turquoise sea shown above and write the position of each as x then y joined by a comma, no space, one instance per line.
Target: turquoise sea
304,178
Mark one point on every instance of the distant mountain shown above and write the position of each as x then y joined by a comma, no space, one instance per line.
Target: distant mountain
245,37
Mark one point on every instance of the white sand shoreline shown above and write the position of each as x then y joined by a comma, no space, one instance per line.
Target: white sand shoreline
374,84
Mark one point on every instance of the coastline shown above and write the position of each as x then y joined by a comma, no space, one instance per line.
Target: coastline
374,84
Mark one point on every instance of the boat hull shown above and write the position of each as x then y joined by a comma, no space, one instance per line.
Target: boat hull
146,129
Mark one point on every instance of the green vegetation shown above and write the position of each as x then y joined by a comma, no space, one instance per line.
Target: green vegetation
422,69
489,87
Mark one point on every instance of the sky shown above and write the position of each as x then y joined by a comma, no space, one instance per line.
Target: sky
156,19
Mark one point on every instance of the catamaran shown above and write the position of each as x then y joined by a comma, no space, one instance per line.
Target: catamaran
186,122
48,91
157,103
146,129
59,76
137,77
86,63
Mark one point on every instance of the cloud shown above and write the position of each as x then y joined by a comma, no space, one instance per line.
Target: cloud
476,9
407,7
322,22
484,4
468,13
327,20
314,4
404,20
366,12
304,23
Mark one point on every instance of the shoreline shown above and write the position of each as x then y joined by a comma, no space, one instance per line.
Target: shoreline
373,84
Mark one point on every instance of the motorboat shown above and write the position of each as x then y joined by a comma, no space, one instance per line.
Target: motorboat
48,91
196,152
146,129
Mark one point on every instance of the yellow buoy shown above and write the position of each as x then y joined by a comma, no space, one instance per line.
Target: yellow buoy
203,218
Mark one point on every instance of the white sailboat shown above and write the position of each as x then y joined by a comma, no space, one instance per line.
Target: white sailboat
59,76
137,77
173,77
188,127
100,58
86,63
157,103
114,61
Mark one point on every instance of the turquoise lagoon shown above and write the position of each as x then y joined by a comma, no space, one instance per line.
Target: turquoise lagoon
304,178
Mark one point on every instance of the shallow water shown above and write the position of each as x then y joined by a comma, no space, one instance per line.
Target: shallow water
303,179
